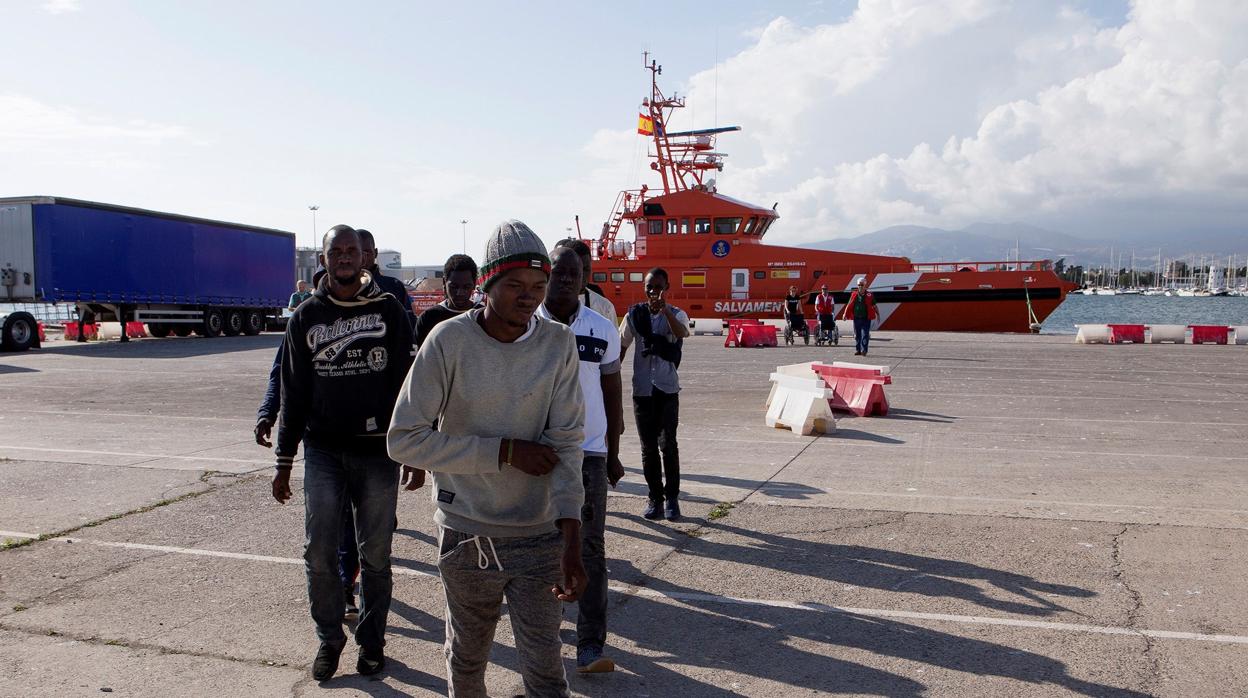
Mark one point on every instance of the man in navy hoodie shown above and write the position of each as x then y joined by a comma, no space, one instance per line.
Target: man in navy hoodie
346,354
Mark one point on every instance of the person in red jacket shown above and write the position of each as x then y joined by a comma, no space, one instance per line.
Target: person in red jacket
825,310
861,307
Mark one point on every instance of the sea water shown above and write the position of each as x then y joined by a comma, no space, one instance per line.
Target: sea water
1145,310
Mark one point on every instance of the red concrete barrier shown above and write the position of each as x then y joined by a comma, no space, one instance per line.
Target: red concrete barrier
756,336
857,390
135,330
1210,334
1123,334
733,336
90,331
43,334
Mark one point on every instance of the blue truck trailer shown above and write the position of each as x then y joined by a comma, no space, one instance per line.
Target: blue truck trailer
178,274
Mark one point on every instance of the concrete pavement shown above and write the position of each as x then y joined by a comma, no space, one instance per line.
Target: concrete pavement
1034,517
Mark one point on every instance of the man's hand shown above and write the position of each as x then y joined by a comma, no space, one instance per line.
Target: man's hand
264,427
528,456
281,486
412,478
657,303
615,470
574,577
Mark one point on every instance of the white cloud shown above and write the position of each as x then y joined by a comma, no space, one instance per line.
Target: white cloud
944,114
60,7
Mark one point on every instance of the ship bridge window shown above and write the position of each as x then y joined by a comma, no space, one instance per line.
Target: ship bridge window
635,276
684,226
617,277
750,225
600,277
727,226
702,225
673,226
765,225
656,227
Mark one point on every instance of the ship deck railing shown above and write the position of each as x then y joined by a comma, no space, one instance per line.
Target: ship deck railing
1012,265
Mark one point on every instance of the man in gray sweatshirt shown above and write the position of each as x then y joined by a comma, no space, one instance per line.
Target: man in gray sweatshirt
493,408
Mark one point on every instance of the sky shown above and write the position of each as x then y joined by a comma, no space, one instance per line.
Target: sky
1099,118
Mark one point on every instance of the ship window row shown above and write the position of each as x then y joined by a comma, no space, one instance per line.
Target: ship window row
754,225
618,277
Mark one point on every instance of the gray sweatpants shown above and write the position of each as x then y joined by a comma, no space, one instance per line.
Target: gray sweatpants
474,596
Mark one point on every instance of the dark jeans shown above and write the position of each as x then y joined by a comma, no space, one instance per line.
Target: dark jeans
657,418
591,616
348,549
370,484
862,334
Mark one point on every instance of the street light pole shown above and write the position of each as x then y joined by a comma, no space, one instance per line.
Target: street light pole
463,223
314,209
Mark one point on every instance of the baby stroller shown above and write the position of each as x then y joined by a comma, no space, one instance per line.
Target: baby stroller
829,334
796,325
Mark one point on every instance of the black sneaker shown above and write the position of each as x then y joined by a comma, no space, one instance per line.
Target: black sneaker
589,660
348,598
654,510
326,662
672,510
371,661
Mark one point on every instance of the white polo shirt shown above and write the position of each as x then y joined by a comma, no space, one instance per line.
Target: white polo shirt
598,345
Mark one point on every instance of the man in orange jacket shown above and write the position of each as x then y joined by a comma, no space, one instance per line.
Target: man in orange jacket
861,307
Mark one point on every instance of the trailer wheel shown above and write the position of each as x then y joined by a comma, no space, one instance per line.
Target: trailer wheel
182,330
254,324
158,329
234,322
214,323
20,332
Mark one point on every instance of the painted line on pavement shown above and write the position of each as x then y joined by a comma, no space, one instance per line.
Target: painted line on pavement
942,617
153,456
161,417
715,598
762,493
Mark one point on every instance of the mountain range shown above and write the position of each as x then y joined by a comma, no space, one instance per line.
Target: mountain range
996,241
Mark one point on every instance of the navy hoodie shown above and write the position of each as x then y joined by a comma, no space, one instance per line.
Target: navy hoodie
343,364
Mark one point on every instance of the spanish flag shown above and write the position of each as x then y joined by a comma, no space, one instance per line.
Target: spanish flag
645,125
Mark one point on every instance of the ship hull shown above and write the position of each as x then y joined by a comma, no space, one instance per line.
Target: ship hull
954,301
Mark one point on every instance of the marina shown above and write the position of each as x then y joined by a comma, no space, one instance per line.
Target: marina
1033,517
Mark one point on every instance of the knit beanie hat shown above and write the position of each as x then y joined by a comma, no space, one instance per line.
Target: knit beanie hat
512,246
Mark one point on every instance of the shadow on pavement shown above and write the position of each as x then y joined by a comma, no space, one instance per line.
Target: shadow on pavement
860,566
16,369
167,348
791,647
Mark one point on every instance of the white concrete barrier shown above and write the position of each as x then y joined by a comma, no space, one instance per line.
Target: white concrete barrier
1167,333
800,404
1092,334
707,326
802,370
1241,334
109,330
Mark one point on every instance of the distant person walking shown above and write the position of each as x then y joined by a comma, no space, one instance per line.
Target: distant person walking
660,330
493,408
591,294
598,347
346,354
300,295
825,311
861,307
389,284
459,282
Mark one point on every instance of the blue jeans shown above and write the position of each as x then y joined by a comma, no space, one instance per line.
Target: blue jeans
370,483
862,334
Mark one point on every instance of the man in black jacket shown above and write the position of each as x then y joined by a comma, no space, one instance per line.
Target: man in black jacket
346,355
389,284
459,280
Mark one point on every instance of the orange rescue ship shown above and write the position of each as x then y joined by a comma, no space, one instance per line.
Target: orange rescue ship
712,248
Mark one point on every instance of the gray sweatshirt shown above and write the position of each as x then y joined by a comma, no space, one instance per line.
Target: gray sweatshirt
465,393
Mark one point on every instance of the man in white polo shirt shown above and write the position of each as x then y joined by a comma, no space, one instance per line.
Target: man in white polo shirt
598,345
